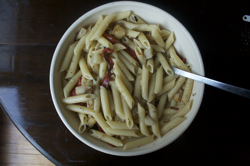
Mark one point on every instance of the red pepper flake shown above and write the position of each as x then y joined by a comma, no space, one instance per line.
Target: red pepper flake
174,108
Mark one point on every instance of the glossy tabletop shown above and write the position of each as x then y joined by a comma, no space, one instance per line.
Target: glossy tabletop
30,31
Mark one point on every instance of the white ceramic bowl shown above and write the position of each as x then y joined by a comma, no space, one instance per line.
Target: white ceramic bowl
184,44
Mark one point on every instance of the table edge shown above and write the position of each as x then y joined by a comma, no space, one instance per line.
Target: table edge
26,135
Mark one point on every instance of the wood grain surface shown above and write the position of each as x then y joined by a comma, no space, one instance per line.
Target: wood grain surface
15,149
30,31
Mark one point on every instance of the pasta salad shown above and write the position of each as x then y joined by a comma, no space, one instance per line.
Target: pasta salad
119,81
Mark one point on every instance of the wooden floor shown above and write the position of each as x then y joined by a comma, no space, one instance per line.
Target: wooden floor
15,149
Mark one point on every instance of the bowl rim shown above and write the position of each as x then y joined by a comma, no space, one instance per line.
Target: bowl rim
52,69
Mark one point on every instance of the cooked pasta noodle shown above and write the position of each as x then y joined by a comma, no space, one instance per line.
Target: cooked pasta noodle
119,77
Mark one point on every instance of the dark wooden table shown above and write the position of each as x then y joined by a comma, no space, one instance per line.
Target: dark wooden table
30,31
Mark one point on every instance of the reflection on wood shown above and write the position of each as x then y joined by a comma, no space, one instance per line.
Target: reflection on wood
15,149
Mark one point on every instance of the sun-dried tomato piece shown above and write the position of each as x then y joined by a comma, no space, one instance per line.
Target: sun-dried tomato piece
174,108
106,80
113,40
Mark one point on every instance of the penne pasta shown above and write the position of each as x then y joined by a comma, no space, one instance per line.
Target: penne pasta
137,88
150,65
167,87
105,42
183,110
178,85
71,83
85,110
97,100
138,27
168,78
81,33
169,41
118,47
73,66
96,59
139,55
154,115
156,62
129,58
83,120
131,33
161,104
139,44
172,109
106,138
121,125
136,19
111,103
124,92
171,124
124,79
132,68
157,37
67,58
121,16
81,43
103,69
124,69
103,26
141,115
187,91
128,42
157,48
159,80
84,69
105,103
91,122
152,83
180,64
118,32
124,132
165,64
119,79
117,101
149,121
144,82
144,40
78,99
93,31
127,113
165,34
138,142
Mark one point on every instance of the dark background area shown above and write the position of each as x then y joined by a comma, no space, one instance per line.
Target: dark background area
30,31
